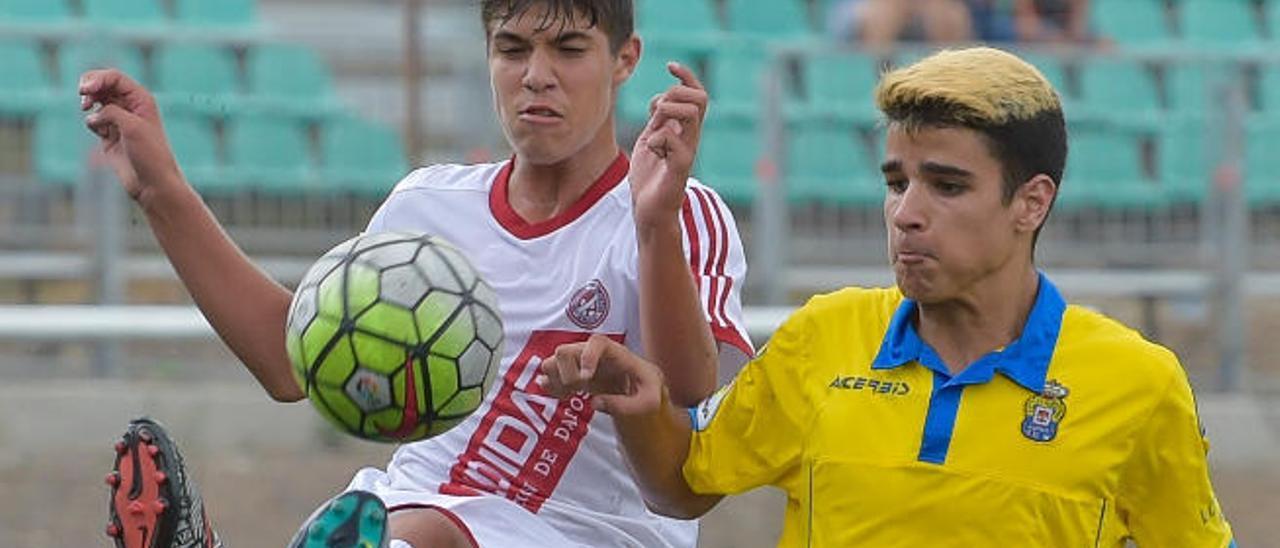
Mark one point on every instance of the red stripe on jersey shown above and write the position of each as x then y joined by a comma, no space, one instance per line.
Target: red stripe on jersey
500,201
526,438
724,255
714,237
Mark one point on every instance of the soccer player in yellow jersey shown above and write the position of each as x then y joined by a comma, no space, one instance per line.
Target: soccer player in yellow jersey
967,406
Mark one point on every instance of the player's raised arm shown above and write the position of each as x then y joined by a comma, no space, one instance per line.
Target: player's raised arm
654,433
245,306
673,324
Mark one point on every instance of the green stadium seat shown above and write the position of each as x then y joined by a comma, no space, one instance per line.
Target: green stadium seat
1269,87
650,78
196,77
695,26
1183,159
772,19
36,12
1262,162
1104,169
1192,87
61,146
1053,69
1118,90
841,86
736,79
219,14
195,146
269,153
77,57
1271,12
829,164
25,87
132,14
728,157
361,156
1219,24
289,79
1132,23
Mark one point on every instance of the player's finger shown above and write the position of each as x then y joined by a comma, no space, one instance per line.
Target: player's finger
644,394
684,74
111,117
111,86
598,348
549,379
685,114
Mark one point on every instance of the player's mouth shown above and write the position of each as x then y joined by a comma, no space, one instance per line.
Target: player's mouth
540,114
910,256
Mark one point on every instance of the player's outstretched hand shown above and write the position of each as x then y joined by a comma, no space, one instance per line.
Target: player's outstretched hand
621,382
127,121
664,152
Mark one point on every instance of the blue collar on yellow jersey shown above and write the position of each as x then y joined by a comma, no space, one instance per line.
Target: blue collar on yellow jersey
1024,361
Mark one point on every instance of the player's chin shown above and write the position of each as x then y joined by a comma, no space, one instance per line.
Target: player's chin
915,283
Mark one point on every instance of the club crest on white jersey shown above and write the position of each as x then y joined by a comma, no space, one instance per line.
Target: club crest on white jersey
589,306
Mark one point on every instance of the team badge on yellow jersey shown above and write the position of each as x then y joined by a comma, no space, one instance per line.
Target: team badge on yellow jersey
1044,412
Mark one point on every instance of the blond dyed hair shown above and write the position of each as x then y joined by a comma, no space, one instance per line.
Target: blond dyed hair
974,87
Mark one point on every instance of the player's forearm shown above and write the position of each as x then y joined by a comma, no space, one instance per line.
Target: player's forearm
245,306
656,446
676,334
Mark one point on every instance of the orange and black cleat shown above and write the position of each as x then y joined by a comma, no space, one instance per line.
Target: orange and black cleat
153,502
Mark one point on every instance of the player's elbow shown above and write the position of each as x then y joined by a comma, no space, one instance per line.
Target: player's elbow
688,507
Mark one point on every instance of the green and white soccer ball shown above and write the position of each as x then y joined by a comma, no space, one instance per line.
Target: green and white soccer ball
394,337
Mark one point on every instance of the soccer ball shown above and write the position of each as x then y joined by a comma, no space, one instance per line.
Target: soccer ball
394,337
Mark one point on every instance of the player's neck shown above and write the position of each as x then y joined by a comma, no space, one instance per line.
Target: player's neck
538,192
988,317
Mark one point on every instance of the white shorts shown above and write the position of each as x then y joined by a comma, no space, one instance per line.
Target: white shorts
489,521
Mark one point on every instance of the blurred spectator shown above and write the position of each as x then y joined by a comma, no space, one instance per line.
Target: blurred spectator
881,23
1031,21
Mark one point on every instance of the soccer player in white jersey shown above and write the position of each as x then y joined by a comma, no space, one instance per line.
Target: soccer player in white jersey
574,237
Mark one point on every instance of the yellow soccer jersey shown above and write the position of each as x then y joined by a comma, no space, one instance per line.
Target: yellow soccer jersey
1078,434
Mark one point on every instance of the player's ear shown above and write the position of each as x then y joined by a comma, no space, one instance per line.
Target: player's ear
626,59
1033,200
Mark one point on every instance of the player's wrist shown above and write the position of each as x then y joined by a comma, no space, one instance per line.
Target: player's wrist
650,229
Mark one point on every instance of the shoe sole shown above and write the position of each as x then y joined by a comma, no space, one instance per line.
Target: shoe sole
355,519
141,493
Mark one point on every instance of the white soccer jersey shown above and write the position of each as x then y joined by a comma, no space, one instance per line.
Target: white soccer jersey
557,282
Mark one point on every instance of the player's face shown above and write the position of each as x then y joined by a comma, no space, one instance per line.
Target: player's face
949,228
554,84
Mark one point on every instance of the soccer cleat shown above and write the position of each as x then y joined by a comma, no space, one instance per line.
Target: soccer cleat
153,503
355,519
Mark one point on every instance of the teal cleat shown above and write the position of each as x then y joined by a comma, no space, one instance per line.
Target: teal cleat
355,519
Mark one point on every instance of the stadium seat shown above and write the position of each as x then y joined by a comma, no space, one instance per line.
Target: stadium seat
25,87
131,14
735,80
774,19
269,153
1262,163
289,79
1131,23
1183,159
196,77
1193,87
1269,88
1135,103
361,156
695,26
77,57
35,12
1219,24
841,86
220,14
195,146
650,78
728,157
828,163
61,146
1104,169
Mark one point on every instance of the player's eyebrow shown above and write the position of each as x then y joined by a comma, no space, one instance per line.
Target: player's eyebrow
891,166
571,35
508,36
935,168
